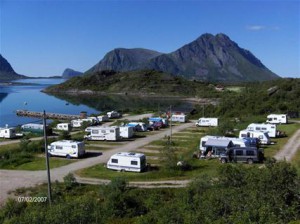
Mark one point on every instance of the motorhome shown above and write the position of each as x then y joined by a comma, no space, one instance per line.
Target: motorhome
35,128
114,114
247,155
277,119
7,132
127,161
126,132
270,128
66,148
207,122
100,133
262,136
63,127
182,118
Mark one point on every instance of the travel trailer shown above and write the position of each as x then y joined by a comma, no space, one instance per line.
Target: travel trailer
262,136
270,128
103,133
63,127
66,148
35,128
179,118
78,123
126,132
207,122
7,132
127,161
114,114
215,147
277,119
239,142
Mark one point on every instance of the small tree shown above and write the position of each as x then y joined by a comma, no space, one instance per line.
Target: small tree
70,181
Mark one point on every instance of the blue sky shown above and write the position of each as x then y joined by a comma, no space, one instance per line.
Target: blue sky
42,38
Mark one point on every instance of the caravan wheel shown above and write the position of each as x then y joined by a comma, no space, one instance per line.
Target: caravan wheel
68,156
250,161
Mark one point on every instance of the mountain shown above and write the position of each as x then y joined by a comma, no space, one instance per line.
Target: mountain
208,58
7,72
122,59
70,73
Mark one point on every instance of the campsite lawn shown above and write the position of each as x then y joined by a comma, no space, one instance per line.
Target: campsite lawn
39,163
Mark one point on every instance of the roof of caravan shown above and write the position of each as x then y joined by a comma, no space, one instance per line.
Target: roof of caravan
129,154
218,142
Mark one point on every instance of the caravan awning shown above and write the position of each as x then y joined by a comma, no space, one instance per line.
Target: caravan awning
218,143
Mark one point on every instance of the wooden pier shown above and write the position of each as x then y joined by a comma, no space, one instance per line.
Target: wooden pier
26,113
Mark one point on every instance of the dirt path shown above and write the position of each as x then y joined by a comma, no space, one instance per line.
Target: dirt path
13,179
290,148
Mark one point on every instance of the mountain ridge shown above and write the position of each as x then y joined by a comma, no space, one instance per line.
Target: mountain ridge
7,73
208,58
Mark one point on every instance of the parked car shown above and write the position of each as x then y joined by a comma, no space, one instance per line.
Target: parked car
248,155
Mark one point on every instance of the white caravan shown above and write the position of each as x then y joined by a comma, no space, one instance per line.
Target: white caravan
7,132
277,119
126,131
238,142
63,127
78,123
100,133
127,161
207,122
113,114
103,118
270,128
262,136
66,148
179,118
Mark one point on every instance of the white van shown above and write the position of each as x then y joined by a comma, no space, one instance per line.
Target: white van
7,132
66,148
270,128
127,161
207,122
103,133
262,136
277,119
114,114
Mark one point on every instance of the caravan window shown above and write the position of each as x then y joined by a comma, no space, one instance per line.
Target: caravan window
134,163
243,135
112,131
114,160
73,146
95,131
203,143
264,129
103,131
257,128
59,147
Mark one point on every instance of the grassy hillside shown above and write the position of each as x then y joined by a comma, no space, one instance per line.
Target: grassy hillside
147,82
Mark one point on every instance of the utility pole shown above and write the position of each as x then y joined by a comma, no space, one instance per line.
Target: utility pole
170,124
47,158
